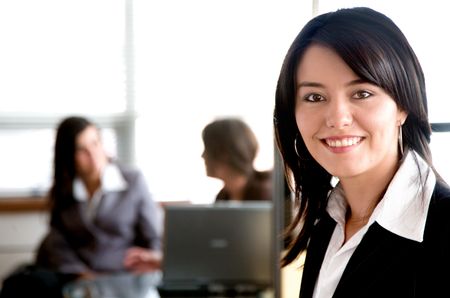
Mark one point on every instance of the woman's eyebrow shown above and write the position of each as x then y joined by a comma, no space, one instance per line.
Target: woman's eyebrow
310,84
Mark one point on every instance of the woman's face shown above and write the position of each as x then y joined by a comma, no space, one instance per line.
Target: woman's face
90,157
349,126
211,165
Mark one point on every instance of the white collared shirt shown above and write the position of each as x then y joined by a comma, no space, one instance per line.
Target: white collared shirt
400,211
111,180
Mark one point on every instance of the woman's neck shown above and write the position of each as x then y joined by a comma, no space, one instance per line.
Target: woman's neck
362,198
235,185
363,193
91,184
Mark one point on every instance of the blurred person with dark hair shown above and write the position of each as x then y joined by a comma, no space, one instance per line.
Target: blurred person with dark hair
102,217
230,149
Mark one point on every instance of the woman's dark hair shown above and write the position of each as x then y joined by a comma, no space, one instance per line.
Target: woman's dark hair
377,51
64,170
231,141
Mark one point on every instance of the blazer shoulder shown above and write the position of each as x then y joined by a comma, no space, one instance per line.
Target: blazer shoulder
439,208
441,195
129,173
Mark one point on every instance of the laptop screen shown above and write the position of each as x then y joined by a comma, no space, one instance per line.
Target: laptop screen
225,243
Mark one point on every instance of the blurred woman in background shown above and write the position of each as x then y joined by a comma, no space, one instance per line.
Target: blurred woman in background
102,217
230,149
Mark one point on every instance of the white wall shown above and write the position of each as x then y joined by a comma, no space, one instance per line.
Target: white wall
21,232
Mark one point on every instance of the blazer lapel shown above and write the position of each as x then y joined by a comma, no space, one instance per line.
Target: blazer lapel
378,251
317,248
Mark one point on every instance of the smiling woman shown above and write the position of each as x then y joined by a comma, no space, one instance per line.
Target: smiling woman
348,125
433,59
351,103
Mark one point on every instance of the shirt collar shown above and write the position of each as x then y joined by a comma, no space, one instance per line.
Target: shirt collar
111,180
403,209
405,205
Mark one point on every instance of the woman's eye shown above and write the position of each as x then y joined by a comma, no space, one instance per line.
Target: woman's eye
362,94
314,97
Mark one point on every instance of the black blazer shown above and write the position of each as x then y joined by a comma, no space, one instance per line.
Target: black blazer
387,265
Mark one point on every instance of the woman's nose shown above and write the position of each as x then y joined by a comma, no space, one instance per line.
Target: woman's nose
339,114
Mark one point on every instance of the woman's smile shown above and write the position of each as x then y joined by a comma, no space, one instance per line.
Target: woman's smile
346,142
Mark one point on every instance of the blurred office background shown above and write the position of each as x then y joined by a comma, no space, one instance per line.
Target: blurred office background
153,73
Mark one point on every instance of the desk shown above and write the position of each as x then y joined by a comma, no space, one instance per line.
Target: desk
126,285
121,285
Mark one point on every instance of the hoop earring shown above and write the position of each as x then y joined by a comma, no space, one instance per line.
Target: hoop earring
400,139
295,146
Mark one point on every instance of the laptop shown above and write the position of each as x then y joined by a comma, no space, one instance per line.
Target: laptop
223,245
